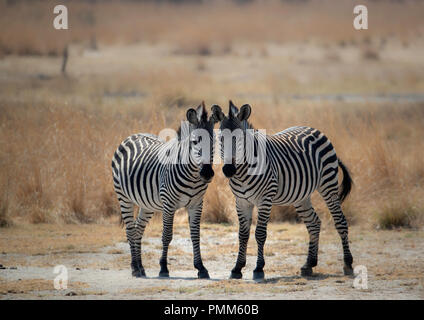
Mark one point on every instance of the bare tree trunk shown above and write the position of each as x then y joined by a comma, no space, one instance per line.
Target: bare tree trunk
65,60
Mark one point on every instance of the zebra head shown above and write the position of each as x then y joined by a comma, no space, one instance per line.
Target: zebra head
232,136
202,140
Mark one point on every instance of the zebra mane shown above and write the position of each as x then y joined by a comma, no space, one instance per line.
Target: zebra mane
247,125
179,133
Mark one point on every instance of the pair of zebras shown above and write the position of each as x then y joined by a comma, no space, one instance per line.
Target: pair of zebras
298,161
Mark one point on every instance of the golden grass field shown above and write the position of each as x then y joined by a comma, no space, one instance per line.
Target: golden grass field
137,67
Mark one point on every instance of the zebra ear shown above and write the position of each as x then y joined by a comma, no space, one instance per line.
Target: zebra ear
217,114
244,113
192,116
202,114
233,110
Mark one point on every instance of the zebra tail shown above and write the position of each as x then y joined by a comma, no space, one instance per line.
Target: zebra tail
347,182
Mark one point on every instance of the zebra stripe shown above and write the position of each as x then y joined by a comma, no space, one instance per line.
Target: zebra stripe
299,160
142,177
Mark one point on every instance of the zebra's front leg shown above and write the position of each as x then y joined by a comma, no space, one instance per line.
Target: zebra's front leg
194,215
264,212
313,225
168,223
244,213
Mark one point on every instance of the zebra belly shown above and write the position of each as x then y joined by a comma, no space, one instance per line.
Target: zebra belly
146,189
295,191
283,202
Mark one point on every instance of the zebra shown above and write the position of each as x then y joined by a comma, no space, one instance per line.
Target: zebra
298,161
142,177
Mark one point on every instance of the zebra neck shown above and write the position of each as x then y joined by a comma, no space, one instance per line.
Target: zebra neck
254,159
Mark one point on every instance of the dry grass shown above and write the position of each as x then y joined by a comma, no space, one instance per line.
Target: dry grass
284,213
400,213
54,183
219,202
5,220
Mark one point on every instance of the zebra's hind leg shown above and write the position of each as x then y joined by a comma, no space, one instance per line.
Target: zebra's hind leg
127,212
140,225
168,223
333,204
313,224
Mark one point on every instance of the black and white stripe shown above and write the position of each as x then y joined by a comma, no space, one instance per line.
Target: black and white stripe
299,160
143,176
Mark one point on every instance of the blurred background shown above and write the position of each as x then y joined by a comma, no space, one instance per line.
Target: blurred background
69,97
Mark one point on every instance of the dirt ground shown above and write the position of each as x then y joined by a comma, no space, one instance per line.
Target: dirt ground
97,259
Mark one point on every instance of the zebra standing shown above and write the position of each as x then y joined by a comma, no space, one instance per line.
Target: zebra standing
164,176
298,161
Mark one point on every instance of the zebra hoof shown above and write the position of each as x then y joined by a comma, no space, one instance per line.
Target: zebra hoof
258,275
306,271
164,274
236,275
347,270
139,274
203,274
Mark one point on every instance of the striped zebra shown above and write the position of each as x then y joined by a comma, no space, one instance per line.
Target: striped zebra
164,176
298,161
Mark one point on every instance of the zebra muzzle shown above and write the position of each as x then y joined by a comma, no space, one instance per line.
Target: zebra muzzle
206,173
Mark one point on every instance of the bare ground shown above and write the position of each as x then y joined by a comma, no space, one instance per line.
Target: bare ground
97,259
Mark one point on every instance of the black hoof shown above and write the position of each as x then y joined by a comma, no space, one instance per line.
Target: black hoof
203,274
348,271
236,275
139,274
164,274
258,275
306,271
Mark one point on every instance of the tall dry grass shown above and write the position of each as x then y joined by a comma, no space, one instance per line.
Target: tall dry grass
58,160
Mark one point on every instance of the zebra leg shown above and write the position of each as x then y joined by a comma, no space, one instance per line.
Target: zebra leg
194,214
313,224
244,213
168,223
140,225
264,211
333,203
127,212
